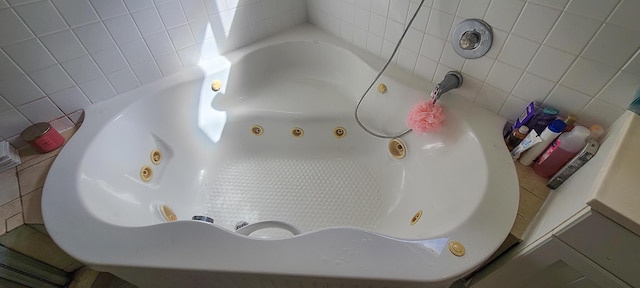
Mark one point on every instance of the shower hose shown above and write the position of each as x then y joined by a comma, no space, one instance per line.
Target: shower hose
395,50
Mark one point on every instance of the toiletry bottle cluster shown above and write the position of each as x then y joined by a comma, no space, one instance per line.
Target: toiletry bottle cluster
554,147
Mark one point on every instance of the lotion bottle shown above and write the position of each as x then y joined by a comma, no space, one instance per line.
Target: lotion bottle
548,135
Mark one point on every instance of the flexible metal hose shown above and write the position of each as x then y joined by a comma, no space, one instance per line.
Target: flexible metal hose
384,68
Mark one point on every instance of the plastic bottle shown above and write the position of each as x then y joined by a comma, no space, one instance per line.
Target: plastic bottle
561,151
571,121
548,135
596,131
516,137
542,119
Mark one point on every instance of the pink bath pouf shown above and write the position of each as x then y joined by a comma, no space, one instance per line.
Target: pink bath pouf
425,117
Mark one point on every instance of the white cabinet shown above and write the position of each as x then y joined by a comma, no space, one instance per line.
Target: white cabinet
590,251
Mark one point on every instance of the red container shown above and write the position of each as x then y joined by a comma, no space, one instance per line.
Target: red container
42,137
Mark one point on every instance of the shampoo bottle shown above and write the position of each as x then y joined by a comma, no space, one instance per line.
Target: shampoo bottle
561,151
548,135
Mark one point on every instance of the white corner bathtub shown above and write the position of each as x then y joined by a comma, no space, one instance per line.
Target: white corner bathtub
353,204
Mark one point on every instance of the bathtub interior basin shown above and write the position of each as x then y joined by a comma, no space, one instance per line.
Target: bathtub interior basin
279,143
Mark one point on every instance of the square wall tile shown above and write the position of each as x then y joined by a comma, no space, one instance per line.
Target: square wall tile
82,69
566,100
41,110
189,56
63,45
407,59
448,6
7,67
393,31
135,5
377,25
491,98
12,123
533,88
374,44
41,17
108,9
94,37
147,72
432,47
123,80
19,90
70,100
613,45
473,9
172,14
169,63
560,4
470,88
503,76
30,55
596,9
536,21
502,14
380,7
601,113
148,21
439,24
11,28
512,108
194,9
499,38
588,76
551,63
159,43
422,18
76,12
98,90
181,37
425,68
122,29
478,68
110,60
572,33
52,79
4,105
518,51
398,10
136,51
626,15
361,18
621,91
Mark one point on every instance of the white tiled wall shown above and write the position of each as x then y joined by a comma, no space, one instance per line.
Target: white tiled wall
59,56
580,56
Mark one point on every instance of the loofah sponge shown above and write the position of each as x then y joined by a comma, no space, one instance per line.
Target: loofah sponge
425,117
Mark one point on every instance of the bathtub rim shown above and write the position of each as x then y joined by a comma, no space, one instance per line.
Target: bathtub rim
60,225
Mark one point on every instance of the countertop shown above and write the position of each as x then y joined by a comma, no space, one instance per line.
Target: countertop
616,191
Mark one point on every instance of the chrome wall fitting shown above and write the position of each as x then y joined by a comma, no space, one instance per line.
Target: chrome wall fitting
472,38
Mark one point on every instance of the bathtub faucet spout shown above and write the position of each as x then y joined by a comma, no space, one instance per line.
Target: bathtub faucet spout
452,80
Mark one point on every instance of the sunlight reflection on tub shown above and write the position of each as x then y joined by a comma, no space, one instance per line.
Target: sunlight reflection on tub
210,120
